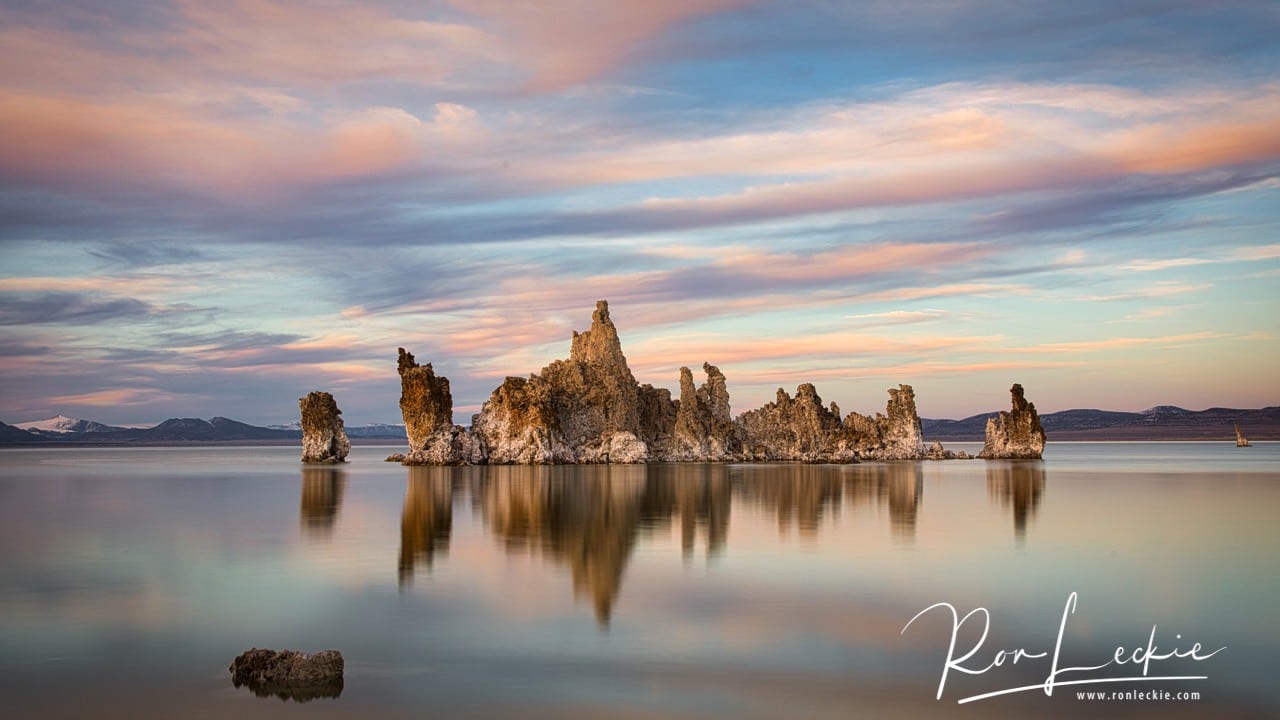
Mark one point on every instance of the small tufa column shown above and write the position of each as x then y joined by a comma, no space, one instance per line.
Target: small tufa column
1016,434
324,439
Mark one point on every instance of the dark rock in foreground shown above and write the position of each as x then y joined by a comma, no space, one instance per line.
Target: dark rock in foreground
1016,434
324,440
289,674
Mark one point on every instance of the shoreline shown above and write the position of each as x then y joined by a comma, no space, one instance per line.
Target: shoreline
387,443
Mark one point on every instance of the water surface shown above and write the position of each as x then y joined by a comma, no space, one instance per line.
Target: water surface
131,577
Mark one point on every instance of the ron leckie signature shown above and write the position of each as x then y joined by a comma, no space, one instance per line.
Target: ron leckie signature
1142,656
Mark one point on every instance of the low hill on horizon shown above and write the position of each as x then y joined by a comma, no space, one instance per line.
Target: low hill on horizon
1163,422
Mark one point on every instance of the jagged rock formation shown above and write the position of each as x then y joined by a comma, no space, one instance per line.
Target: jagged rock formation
896,435
704,429
1016,434
323,438
589,408
794,429
802,429
427,407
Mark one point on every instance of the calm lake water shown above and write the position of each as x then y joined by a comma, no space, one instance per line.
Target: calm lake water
130,578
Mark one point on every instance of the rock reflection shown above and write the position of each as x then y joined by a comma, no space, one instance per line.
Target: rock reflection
427,519
697,496
322,489
799,495
804,495
1017,485
899,486
585,517
589,519
298,694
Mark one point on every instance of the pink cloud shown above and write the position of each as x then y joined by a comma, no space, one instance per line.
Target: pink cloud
120,396
1122,342
569,42
58,140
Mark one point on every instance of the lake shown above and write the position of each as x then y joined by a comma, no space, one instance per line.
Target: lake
130,579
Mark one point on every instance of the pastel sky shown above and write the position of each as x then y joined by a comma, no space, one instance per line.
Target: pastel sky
211,208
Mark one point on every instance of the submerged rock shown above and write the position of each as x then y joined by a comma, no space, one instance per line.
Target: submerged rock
395,457
324,439
289,674
937,452
1016,434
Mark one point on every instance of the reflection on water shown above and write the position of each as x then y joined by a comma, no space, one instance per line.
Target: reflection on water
299,694
1017,485
728,590
803,495
589,518
427,518
321,497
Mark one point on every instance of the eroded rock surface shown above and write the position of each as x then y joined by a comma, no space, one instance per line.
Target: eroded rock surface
427,407
586,409
704,429
798,428
324,439
1015,434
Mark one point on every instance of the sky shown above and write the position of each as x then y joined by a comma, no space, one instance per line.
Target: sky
212,208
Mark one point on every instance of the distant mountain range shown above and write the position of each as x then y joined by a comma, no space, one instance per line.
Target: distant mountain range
371,430
1164,422
63,425
65,430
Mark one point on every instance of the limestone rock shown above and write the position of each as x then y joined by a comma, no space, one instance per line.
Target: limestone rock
288,673
1016,434
792,429
324,439
427,407
589,408
425,400
895,435
586,409
395,457
937,452
704,429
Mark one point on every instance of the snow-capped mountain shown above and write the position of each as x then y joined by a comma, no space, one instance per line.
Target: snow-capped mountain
63,425
379,430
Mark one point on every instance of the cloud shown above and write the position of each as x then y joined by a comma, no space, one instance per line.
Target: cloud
901,317
120,396
570,42
70,308
1123,342
1159,290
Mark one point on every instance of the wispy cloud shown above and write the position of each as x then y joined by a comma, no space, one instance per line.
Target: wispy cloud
1080,346
1159,290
